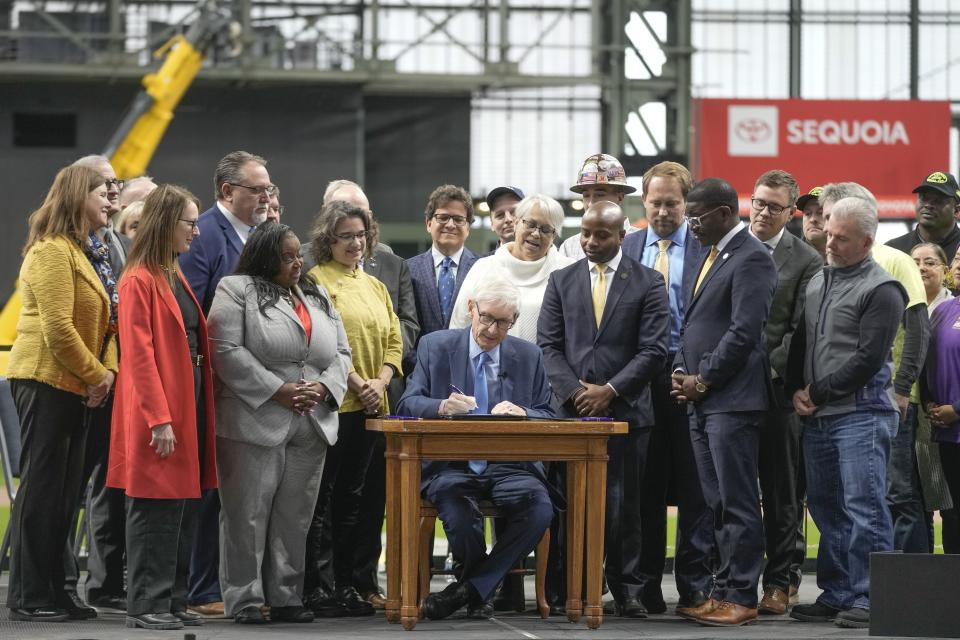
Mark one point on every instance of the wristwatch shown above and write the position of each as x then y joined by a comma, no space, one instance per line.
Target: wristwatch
700,385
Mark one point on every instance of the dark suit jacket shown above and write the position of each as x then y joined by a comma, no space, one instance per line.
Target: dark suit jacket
425,288
796,263
723,334
213,255
634,244
443,358
627,350
392,271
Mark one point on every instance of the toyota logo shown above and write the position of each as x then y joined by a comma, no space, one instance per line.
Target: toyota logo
753,130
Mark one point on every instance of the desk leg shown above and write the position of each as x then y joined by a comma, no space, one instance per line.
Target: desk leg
596,504
576,484
394,567
410,501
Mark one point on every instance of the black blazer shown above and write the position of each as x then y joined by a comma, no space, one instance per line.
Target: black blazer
723,332
627,350
796,263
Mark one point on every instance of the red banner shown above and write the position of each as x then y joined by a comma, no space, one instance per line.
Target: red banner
888,146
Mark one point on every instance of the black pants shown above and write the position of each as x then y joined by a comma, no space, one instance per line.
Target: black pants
780,472
950,461
105,513
367,545
53,435
159,535
333,531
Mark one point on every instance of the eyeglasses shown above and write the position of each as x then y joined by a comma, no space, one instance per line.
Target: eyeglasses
486,320
696,221
360,236
287,258
192,223
774,209
269,189
444,218
115,182
545,229
278,210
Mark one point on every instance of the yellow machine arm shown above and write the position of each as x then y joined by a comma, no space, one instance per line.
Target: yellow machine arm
139,134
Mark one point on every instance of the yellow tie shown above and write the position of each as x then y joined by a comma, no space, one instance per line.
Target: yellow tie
600,292
706,268
662,264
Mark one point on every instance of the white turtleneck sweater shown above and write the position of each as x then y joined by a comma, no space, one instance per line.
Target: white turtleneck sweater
530,277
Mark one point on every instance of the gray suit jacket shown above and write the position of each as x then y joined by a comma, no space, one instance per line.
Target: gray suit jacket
254,353
796,263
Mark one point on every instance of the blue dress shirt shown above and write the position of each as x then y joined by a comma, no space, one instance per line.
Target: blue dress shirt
675,260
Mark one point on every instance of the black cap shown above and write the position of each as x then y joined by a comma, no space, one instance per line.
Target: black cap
813,194
940,181
502,191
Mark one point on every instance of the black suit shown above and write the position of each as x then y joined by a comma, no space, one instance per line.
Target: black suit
780,470
723,341
627,351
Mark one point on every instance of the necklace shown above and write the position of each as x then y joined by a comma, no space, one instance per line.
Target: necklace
288,296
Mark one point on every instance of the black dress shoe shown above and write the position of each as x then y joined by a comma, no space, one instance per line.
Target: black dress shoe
291,614
352,602
110,604
484,611
155,621
442,605
249,615
631,608
324,605
692,600
76,608
654,604
188,618
39,614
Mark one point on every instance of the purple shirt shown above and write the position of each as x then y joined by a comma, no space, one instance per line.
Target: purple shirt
943,364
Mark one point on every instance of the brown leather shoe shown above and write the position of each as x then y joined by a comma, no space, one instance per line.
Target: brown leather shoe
774,602
694,613
377,599
211,609
728,614
794,595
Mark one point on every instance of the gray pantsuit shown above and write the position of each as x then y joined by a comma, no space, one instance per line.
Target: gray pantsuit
269,458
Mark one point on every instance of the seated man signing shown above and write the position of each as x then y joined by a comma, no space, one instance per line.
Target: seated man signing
481,369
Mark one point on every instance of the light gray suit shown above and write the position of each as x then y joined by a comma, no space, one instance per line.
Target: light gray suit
269,459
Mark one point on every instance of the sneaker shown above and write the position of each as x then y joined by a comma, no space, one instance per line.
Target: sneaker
816,612
855,618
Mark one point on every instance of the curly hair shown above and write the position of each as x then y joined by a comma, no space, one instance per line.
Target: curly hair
445,194
325,228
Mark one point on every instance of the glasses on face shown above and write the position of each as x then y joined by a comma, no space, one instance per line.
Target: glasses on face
192,223
269,189
444,218
115,182
774,209
545,229
288,259
278,210
360,236
696,221
487,320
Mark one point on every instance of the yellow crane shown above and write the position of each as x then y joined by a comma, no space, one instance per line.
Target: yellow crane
133,144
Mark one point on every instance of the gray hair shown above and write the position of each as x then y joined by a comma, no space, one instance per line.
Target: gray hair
498,291
861,210
230,169
93,161
133,190
335,185
837,191
546,205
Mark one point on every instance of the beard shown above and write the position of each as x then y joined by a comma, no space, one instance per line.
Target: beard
259,217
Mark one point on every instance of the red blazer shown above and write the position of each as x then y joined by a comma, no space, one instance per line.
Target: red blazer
155,386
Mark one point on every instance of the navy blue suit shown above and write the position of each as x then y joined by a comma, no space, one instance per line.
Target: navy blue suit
425,292
670,475
213,255
723,341
520,489
628,351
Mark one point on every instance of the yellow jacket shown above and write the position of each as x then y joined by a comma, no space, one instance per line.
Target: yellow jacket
63,320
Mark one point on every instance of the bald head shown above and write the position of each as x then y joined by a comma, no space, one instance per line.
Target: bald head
601,231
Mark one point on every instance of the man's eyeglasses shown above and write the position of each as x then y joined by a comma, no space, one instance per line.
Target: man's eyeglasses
115,182
444,218
545,229
774,209
278,210
696,221
360,236
269,189
192,223
486,320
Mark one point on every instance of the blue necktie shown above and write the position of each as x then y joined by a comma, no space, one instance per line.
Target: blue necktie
482,396
445,285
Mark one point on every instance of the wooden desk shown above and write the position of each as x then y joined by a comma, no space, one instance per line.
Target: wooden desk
582,445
